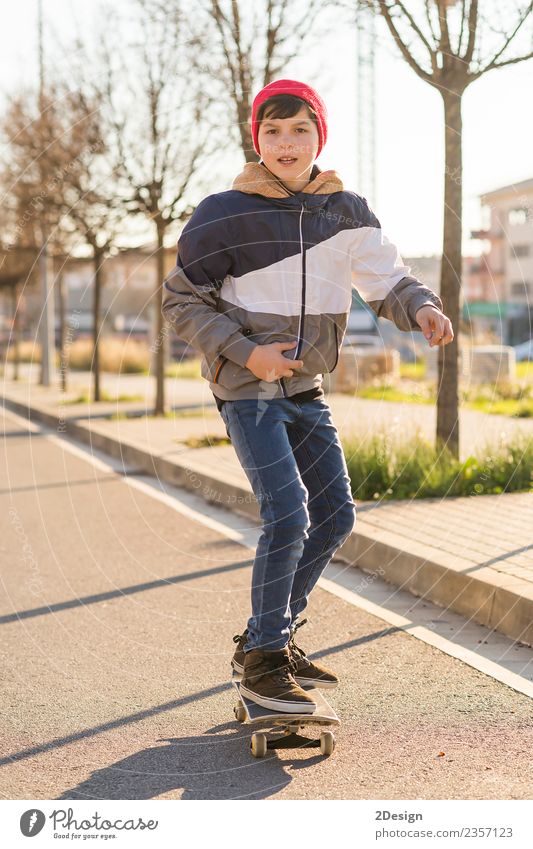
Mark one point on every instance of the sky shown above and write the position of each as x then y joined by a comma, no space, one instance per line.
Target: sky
409,152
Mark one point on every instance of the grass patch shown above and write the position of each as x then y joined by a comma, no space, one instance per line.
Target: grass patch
413,371
185,370
505,398
193,414
423,393
382,468
505,407
208,441
524,371
84,398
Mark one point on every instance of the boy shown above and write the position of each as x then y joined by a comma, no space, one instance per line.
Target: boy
264,275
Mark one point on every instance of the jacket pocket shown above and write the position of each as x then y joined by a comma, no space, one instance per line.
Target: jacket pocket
232,376
336,349
339,324
225,372
222,361
321,353
209,371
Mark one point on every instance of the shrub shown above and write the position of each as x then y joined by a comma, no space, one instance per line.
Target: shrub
384,468
121,356
118,355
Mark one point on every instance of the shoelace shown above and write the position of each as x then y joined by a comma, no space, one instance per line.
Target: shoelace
296,649
300,653
283,673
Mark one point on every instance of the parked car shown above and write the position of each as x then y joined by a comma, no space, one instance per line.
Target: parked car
524,351
362,321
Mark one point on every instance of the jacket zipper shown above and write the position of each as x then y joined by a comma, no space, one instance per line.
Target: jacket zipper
223,360
302,311
336,347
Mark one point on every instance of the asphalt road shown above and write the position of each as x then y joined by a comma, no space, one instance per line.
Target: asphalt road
117,619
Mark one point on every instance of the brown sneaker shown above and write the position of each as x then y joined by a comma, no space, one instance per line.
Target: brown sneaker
237,661
308,672
267,680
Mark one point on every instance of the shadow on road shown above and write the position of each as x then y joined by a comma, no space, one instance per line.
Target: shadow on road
220,766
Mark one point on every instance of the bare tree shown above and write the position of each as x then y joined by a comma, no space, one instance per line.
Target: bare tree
65,143
157,114
165,92
23,208
441,41
256,43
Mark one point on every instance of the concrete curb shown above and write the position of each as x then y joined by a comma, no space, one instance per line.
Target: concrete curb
500,602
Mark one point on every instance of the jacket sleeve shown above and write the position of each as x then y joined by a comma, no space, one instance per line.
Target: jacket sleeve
382,279
190,290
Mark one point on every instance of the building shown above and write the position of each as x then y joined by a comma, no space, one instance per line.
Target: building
501,289
127,297
128,286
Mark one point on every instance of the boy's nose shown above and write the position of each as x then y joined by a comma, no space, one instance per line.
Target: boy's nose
285,142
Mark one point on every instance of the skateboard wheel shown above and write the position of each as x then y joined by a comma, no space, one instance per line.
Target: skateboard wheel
327,742
258,745
240,713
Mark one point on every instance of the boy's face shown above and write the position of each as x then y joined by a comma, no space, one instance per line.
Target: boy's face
295,139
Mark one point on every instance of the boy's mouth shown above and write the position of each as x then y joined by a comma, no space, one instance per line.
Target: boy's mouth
287,160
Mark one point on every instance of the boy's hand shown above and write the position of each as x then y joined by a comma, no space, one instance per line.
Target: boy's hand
268,363
436,327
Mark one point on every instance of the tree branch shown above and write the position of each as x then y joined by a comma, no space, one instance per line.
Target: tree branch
385,11
444,41
505,62
472,30
493,62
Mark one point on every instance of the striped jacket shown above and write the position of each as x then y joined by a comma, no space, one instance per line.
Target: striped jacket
260,264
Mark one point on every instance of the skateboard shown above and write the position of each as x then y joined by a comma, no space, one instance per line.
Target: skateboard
289,724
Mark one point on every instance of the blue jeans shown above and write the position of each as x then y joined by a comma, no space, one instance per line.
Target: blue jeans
291,454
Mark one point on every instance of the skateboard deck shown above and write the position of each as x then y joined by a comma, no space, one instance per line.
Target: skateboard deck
250,712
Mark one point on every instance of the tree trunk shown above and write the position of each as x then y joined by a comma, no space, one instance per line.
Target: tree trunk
62,332
47,318
16,334
95,365
160,336
451,270
246,137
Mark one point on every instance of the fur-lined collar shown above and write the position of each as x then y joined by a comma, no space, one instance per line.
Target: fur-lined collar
257,179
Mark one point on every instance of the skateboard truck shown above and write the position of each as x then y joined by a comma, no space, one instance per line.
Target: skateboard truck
247,711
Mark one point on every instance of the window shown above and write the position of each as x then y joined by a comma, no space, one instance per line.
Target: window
519,215
519,250
521,288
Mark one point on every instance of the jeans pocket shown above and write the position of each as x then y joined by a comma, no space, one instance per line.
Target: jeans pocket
223,415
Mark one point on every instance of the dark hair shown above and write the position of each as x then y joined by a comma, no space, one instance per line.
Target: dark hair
284,106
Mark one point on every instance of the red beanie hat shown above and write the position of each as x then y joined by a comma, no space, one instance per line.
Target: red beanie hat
300,90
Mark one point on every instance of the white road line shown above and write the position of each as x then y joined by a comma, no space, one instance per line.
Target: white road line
483,664
237,528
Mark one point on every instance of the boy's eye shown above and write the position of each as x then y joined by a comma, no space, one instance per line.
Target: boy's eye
300,129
